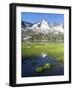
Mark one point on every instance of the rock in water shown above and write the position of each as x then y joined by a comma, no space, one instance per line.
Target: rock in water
47,66
39,69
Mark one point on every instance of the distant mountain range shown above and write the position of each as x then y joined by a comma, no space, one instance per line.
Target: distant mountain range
26,24
42,27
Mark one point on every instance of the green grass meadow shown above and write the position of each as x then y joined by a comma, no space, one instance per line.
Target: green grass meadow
52,49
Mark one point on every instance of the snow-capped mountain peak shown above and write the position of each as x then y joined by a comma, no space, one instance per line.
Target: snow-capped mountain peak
44,24
42,27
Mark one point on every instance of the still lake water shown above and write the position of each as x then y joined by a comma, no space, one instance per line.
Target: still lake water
30,64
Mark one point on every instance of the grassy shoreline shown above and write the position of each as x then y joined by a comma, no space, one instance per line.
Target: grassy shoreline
53,49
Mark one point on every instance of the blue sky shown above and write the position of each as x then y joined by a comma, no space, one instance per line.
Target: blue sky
35,17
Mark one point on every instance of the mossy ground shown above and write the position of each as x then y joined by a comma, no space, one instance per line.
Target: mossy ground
53,49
